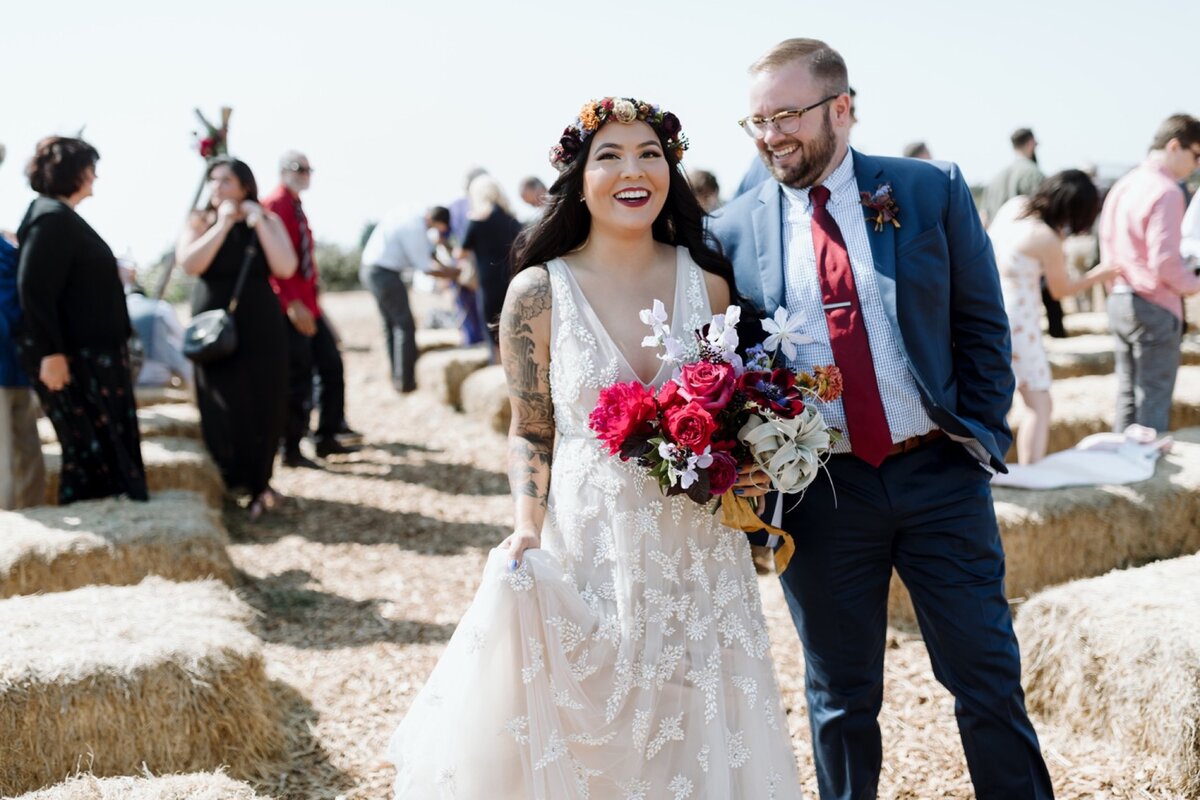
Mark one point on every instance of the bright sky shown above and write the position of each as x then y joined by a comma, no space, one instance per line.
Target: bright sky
394,101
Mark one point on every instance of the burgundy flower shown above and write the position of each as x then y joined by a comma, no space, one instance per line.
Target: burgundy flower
722,473
775,391
671,125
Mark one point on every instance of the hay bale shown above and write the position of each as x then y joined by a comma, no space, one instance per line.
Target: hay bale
1092,354
1058,535
154,422
160,676
1082,323
157,395
171,463
485,395
114,541
1087,405
197,786
431,339
1118,657
442,372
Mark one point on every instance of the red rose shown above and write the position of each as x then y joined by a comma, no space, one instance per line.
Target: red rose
722,474
690,426
623,410
775,391
710,385
669,395
208,147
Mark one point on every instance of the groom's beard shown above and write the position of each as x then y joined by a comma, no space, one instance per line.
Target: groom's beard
814,159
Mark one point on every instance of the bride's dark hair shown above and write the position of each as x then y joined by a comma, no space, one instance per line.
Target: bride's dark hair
566,222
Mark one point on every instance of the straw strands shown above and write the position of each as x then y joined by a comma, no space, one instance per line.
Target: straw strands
1119,657
171,463
197,786
165,419
485,395
113,541
1058,535
160,676
1083,406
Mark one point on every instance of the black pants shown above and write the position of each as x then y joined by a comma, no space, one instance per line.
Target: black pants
1054,314
305,354
399,328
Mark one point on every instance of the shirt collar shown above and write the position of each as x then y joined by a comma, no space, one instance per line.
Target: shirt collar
840,183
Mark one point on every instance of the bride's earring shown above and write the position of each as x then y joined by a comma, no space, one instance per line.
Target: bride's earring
582,198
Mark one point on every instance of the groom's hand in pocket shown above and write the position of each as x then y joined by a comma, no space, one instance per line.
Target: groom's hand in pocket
517,543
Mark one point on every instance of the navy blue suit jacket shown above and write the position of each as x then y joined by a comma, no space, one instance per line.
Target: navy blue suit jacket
938,280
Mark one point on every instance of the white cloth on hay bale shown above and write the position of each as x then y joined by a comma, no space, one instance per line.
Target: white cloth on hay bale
1108,459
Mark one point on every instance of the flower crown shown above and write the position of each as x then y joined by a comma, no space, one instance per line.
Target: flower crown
623,109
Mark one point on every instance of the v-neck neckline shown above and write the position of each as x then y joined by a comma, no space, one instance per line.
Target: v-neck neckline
595,318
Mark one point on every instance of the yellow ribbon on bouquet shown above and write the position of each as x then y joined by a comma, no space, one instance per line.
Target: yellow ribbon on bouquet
737,512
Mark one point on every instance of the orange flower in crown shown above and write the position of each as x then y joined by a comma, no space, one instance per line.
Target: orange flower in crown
622,109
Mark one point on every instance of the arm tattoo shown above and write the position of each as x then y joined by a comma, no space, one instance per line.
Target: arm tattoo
531,437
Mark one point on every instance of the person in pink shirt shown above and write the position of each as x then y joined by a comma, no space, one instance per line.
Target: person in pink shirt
1140,229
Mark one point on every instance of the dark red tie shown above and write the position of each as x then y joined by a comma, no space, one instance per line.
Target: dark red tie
868,431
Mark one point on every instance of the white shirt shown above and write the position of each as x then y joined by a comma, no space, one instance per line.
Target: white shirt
902,405
399,242
1191,232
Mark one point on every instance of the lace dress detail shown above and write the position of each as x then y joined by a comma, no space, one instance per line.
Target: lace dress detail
628,657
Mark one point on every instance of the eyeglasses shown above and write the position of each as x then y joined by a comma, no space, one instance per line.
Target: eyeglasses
296,166
785,122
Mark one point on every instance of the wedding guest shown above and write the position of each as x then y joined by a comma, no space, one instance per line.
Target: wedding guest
401,243
76,329
161,333
464,294
22,471
312,344
1191,233
242,397
487,249
1140,229
1028,236
918,150
706,188
533,194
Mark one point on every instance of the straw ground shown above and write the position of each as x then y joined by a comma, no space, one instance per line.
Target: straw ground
175,535
196,786
161,676
361,576
1119,656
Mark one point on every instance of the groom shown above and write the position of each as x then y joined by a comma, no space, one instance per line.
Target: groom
913,317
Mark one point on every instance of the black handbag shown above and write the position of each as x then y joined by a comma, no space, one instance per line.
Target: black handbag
212,335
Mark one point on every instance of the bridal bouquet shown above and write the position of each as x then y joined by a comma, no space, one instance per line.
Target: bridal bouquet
721,412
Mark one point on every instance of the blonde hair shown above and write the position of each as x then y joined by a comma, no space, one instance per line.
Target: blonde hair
483,195
824,63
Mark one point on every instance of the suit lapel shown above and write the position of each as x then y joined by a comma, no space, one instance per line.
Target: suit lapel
869,174
768,242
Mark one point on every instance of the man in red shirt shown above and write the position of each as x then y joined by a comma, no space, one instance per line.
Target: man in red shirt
311,341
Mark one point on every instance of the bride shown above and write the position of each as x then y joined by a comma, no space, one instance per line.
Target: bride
617,646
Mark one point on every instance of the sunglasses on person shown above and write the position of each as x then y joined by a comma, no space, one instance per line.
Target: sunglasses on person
296,166
785,122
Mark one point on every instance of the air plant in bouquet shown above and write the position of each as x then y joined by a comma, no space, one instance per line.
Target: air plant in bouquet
721,412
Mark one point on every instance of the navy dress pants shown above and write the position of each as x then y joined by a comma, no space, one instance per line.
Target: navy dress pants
927,513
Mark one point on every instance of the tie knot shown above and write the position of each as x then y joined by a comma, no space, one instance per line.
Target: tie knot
819,195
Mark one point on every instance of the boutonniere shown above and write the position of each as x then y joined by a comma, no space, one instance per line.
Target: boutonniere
882,208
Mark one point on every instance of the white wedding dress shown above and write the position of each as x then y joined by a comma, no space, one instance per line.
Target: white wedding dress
627,659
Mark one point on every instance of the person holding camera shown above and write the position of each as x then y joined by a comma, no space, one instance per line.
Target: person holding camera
242,396
75,329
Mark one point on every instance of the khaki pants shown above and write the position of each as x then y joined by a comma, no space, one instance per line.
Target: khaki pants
22,472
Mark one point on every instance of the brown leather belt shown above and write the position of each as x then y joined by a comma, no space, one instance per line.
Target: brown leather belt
913,442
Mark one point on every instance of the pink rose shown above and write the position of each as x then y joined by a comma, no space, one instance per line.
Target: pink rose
710,385
623,410
690,426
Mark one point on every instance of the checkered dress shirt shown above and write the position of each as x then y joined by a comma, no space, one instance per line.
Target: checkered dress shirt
901,401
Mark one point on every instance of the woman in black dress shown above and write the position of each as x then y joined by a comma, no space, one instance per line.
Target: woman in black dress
487,242
76,329
242,397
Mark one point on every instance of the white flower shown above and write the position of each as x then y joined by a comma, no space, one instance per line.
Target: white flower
790,451
701,461
624,111
722,331
674,350
784,332
655,317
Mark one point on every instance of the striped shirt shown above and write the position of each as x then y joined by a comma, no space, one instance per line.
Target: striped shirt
902,405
